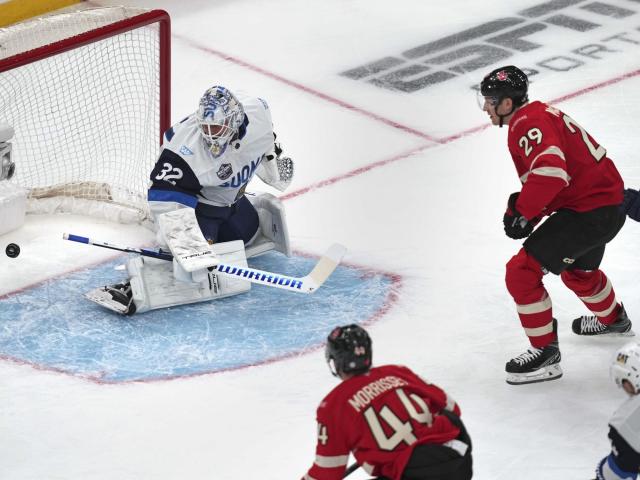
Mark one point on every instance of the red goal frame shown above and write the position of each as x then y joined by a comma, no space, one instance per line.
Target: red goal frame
147,18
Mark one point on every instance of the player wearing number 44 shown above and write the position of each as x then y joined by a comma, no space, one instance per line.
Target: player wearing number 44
397,426
567,176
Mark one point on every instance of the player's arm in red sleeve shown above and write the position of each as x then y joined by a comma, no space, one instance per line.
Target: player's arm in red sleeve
538,147
442,400
439,398
332,452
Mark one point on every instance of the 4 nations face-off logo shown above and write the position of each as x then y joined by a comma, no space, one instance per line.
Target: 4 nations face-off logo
497,41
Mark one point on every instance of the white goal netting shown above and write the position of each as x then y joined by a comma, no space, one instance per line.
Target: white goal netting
83,92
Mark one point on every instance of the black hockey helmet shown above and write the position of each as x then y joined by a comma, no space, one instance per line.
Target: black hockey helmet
348,350
506,82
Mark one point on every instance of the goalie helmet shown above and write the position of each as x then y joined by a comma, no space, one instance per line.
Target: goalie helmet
348,350
219,116
626,367
506,82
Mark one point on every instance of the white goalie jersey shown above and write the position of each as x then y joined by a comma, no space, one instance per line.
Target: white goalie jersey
187,174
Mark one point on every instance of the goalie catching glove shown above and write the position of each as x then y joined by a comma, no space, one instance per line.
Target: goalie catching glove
516,226
276,170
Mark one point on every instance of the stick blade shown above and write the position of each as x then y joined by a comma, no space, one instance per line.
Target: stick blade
325,267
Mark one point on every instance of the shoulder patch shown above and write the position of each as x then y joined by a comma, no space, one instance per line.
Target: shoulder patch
184,150
264,103
224,171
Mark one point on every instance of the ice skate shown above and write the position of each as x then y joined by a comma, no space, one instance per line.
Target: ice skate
115,297
536,364
591,325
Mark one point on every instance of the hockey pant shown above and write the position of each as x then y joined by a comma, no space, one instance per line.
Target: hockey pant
257,219
451,461
223,224
569,244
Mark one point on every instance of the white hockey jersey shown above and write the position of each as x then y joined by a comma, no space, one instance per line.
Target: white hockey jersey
187,174
626,420
624,432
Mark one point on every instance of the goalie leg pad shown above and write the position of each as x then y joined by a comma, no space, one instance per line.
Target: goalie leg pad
273,233
182,234
154,286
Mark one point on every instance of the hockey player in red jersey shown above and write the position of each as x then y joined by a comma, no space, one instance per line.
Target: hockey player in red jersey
396,425
566,175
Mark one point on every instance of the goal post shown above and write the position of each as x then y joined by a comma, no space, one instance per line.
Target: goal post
88,95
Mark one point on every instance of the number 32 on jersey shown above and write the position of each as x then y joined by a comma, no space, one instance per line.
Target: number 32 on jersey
169,173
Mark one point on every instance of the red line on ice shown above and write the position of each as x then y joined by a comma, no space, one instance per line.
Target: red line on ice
380,163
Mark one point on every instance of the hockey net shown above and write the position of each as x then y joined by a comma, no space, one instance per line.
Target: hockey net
87,93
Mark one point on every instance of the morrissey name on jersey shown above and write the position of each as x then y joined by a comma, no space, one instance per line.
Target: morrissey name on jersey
366,394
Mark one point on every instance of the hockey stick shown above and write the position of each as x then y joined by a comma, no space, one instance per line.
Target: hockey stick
352,468
307,284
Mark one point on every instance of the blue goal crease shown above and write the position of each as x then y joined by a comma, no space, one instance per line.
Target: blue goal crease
52,326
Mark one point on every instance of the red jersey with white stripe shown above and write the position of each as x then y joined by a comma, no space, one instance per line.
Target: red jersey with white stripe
379,417
559,164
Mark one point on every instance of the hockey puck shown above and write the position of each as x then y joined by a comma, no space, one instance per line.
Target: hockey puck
12,250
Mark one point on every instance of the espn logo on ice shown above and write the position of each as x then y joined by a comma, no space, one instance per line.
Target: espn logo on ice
497,41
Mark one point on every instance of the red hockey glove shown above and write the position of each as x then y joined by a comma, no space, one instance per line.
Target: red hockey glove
515,225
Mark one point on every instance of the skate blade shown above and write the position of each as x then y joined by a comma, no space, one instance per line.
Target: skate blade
630,333
544,374
104,299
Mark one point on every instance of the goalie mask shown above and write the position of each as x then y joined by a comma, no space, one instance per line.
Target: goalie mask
219,117
626,368
348,350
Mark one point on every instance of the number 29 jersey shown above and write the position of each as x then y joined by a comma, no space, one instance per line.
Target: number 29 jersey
559,164
379,417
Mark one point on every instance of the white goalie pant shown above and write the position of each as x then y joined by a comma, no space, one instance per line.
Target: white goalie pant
272,233
154,285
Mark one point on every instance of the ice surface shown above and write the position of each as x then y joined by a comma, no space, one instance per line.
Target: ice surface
51,326
396,179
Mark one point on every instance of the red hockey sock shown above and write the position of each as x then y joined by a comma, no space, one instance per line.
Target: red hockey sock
595,291
524,282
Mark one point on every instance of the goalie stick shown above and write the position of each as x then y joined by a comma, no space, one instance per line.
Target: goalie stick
307,284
